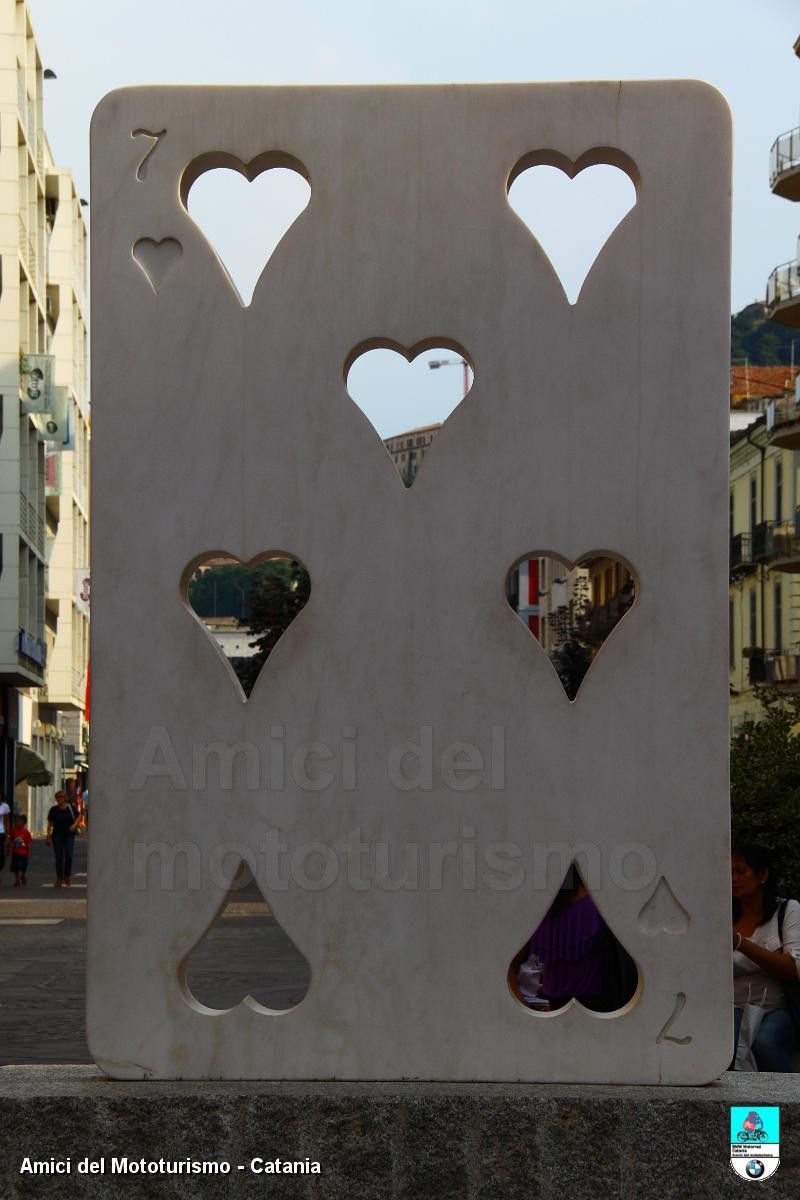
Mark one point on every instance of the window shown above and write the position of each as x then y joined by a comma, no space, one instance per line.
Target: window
731,646
753,504
778,489
777,615
753,619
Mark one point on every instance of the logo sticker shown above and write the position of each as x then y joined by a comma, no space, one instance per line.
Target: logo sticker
755,1141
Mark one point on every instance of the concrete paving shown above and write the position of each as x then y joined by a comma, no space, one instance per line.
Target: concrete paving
43,964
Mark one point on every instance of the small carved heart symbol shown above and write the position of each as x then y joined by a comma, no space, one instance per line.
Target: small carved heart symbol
401,389
663,912
246,607
571,608
157,260
244,209
572,208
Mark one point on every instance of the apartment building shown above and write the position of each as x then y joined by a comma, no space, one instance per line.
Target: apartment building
764,595
44,440
783,285
408,450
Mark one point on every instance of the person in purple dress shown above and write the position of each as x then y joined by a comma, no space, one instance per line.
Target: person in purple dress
578,954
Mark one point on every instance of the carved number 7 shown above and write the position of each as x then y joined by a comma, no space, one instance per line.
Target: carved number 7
141,170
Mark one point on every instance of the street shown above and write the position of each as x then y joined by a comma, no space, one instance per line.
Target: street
43,962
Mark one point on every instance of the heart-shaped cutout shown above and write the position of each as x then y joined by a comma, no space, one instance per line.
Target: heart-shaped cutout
573,957
571,608
245,956
157,260
572,208
408,394
246,607
244,209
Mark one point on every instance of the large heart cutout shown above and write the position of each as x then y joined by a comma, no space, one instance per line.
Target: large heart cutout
245,209
573,958
245,957
246,607
572,208
571,608
157,260
408,394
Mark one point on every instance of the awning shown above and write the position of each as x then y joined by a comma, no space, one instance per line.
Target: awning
31,768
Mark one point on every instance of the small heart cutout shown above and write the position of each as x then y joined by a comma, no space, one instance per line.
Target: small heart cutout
573,957
157,260
245,957
572,208
663,912
246,607
245,209
571,608
410,390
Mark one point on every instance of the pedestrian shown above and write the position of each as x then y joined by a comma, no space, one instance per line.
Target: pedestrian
20,850
766,956
5,830
62,821
577,955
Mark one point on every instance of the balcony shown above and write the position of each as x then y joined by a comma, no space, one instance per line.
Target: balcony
783,294
784,165
762,541
783,670
773,668
603,618
785,538
783,422
742,561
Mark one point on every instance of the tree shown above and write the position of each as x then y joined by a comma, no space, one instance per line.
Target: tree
765,783
279,590
574,649
763,342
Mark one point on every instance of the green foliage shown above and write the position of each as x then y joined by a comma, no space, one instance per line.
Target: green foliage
572,660
570,626
221,591
762,342
280,589
765,783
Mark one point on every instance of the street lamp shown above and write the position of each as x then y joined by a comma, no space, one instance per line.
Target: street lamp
435,363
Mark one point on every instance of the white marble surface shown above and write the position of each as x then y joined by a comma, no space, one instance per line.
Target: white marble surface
601,426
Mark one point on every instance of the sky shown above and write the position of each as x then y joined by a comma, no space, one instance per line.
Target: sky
743,47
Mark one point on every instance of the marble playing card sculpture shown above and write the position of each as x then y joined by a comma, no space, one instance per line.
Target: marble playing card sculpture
407,779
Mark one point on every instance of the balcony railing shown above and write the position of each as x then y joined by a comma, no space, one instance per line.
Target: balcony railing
784,155
784,283
742,561
762,541
31,523
604,617
783,669
773,667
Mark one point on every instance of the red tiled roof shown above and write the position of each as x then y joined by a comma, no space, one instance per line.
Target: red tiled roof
753,382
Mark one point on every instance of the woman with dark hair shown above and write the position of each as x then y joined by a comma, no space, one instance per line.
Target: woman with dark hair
763,960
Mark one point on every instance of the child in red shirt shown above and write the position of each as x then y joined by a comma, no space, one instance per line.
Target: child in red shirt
20,849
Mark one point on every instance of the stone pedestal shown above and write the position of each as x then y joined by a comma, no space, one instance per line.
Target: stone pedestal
412,1141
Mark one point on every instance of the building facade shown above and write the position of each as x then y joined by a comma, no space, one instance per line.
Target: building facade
408,450
783,285
44,442
764,598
